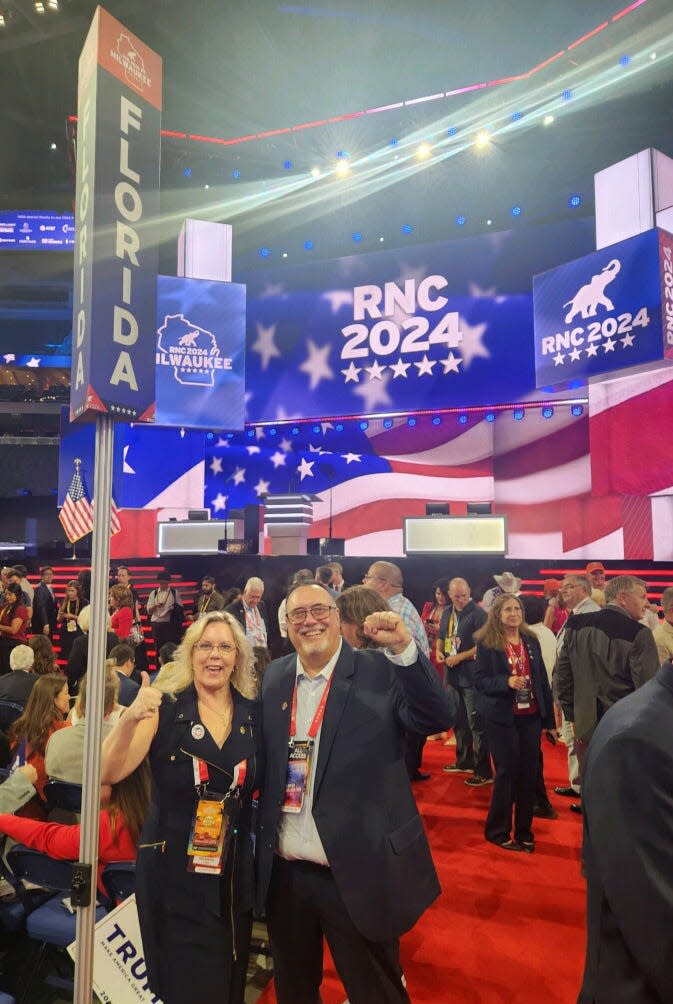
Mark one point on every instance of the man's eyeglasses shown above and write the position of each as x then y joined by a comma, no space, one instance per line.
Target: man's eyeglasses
319,612
206,647
368,576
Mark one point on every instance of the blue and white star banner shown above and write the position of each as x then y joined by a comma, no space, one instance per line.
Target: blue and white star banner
603,313
429,327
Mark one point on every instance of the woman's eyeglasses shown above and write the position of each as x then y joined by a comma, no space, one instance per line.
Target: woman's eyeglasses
206,647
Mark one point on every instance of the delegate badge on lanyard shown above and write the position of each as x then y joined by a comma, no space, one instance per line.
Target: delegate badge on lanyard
300,753
213,821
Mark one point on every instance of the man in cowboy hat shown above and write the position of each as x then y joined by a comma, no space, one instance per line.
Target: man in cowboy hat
506,583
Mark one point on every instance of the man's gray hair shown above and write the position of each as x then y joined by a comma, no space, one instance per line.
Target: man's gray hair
667,598
389,572
254,583
579,580
622,584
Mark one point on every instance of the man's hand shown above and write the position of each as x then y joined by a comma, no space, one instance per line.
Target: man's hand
388,629
147,701
45,629
452,661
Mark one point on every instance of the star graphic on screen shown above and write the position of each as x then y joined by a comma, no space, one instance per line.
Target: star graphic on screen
262,487
10,357
286,445
558,358
451,364
221,441
628,340
491,293
278,459
216,465
352,373
338,298
399,369
575,355
608,345
373,394
239,476
376,371
126,467
265,346
259,432
33,362
271,289
426,366
326,426
316,364
592,350
352,458
305,468
471,345
253,449
219,502
317,449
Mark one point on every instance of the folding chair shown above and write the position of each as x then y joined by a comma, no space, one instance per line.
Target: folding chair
9,712
119,879
63,795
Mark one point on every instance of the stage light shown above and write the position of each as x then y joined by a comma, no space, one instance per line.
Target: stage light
436,420
52,146
52,4
387,423
210,435
206,187
577,410
39,7
411,422
308,245
295,430
362,426
250,433
342,169
516,210
357,236
567,95
489,223
548,119
517,116
236,174
407,228
264,252
287,165
547,411
315,429
423,151
483,139
394,142
518,414
381,240
273,432
489,416
315,172
230,435
451,131
653,55
462,419
284,254
624,60
187,172
339,427
574,201
342,154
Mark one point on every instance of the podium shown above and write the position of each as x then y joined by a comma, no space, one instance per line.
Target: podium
287,522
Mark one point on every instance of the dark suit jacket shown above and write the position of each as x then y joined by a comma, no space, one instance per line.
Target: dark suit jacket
363,805
17,686
495,699
627,798
44,610
79,655
237,611
128,690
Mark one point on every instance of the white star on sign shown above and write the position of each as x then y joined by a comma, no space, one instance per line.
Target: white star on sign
221,441
278,459
373,394
352,372
592,350
126,468
239,476
628,340
262,488
399,369
286,445
305,468
316,449
425,366
265,346
375,370
352,458
451,363
558,358
10,357
219,502
316,364
608,345
575,355
339,298
253,449
326,426
216,465
33,362
471,345
259,432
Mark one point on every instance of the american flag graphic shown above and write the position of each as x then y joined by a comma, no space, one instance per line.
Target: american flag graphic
76,514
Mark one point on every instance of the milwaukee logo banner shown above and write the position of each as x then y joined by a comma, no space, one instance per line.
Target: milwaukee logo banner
116,223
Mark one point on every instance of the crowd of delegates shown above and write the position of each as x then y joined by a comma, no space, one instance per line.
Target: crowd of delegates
219,721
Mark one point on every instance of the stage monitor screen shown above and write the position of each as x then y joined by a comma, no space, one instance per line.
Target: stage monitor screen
455,535
34,230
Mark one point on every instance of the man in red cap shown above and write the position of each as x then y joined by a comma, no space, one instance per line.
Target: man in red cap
596,572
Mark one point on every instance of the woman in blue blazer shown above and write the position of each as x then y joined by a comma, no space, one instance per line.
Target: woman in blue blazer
515,701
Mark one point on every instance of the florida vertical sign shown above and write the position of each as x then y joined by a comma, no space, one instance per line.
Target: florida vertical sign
117,210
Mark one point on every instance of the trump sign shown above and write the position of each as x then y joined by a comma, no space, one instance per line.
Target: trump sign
609,311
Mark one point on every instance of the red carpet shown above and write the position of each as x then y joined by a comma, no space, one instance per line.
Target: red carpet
508,928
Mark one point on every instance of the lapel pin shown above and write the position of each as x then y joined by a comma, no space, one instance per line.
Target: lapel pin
198,731
283,706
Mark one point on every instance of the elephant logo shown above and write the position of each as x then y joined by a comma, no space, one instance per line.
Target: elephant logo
592,295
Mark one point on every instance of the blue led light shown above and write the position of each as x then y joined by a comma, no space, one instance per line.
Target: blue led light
287,165
230,435
210,435
387,423
436,420
624,60
394,141
273,432
407,228
518,414
577,410
315,429
547,412
308,245
356,236
489,416
363,425
516,210
574,201
339,427
451,131
264,252
517,116
567,94
463,419
251,433
343,154
187,172
460,220
236,174
295,430
411,422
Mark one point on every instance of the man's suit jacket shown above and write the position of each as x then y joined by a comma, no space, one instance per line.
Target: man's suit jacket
237,610
17,686
44,610
363,805
627,801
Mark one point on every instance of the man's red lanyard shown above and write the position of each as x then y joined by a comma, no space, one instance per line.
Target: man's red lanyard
317,718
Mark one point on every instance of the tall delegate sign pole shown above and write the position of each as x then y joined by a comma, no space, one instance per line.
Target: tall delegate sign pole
114,340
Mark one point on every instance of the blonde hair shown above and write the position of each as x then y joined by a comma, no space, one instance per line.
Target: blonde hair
492,634
243,677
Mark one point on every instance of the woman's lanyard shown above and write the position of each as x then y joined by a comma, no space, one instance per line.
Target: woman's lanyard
317,718
202,775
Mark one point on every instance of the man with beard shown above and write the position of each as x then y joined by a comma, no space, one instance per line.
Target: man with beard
208,599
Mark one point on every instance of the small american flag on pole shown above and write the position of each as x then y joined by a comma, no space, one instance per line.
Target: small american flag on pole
76,515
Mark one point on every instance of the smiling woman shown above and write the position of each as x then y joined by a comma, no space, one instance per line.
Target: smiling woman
194,875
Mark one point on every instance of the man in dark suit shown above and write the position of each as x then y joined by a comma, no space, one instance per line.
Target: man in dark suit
123,657
628,849
17,685
44,604
250,612
341,848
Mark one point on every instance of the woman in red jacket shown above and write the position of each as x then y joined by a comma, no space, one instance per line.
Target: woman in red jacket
119,826
43,715
120,600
